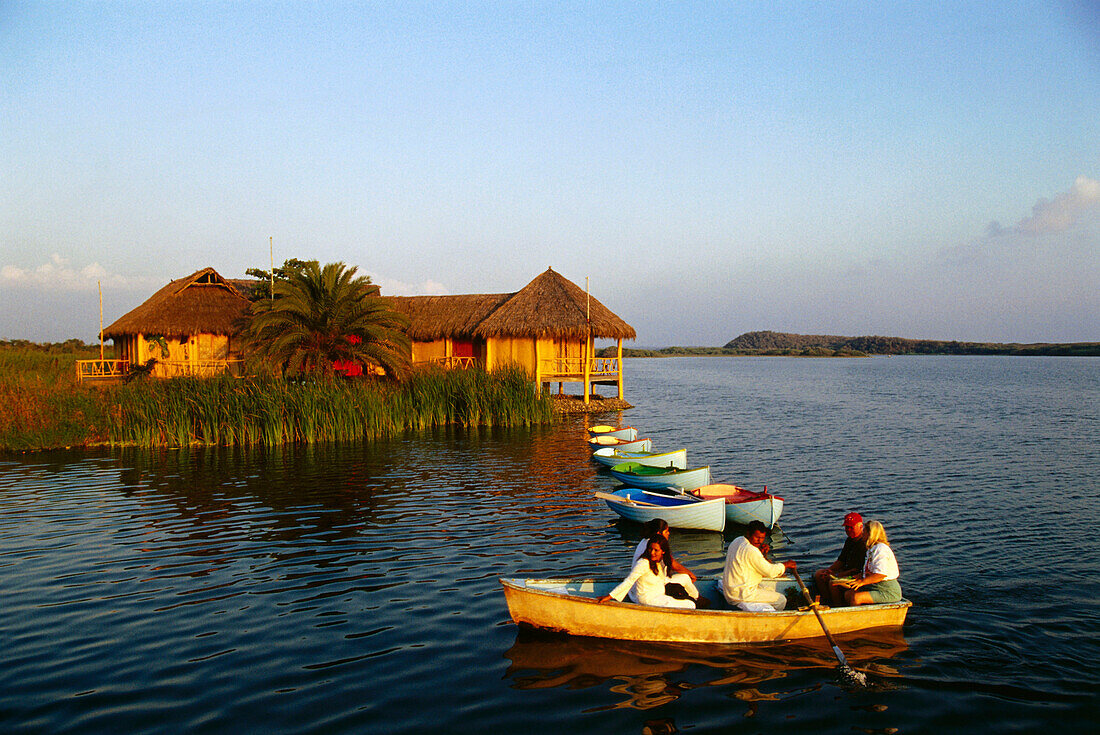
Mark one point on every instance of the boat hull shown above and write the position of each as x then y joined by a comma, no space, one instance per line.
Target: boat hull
705,515
635,475
638,445
744,506
611,456
766,510
627,433
569,606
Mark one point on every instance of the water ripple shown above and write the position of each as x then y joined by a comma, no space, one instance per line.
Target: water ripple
353,588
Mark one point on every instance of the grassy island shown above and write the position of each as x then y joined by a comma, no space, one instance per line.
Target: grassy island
782,344
43,406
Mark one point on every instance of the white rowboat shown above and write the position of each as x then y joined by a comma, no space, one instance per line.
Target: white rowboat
611,456
641,506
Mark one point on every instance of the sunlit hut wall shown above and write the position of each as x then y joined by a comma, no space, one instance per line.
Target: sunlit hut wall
190,326
547,327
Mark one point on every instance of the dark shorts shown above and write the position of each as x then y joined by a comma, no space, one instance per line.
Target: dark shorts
886,591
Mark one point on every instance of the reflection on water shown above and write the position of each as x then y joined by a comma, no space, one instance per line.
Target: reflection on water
649,675
353,588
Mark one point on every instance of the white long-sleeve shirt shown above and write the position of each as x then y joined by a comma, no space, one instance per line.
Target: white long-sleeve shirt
881,560
649,588
745,567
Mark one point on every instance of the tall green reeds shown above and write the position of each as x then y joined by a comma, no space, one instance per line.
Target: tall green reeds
43,406
269,411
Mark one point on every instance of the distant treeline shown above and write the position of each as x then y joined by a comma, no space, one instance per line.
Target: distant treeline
876,345
827,345
68,346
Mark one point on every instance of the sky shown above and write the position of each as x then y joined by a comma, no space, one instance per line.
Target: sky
922,170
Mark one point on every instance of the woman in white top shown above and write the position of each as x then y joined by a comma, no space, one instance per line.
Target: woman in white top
677,572
648,578
879,579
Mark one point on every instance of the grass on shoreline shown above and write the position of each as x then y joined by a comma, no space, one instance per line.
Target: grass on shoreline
42,406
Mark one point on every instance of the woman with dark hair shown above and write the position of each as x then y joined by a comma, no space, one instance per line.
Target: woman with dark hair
678,573
648,578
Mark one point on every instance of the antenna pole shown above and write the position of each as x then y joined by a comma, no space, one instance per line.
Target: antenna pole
99,285
271,246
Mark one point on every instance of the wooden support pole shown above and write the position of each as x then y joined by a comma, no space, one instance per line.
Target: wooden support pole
538,369
587,368
100,287
620,358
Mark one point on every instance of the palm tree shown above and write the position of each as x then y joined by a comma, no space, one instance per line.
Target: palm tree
319,317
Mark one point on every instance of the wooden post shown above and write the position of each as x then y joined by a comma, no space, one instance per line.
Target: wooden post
587,368
100,287
488,354
620,358
538,369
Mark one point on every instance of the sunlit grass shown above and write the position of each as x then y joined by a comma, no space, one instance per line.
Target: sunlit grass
42,406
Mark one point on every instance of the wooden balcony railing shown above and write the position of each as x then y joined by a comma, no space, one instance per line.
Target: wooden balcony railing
452,362
574,366
196,368
100,369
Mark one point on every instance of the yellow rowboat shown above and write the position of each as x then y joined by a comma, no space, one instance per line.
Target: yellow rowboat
569,606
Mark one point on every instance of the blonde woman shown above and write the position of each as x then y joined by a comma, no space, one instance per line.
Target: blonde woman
879,580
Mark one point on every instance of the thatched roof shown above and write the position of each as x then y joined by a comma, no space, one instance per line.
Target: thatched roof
201,303
437,317
548,306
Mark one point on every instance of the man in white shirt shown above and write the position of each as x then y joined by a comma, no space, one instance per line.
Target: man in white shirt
746,567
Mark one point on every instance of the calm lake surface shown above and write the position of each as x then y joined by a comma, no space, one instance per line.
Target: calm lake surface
353,588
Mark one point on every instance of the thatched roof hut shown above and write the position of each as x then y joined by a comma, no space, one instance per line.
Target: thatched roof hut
550,306
201,303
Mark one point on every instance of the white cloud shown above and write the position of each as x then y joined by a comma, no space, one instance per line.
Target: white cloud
59,274
1064,211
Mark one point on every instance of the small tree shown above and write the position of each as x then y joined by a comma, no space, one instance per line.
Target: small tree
323,315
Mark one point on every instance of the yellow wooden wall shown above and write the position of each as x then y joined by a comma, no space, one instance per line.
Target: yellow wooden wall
424,351
193,349
507,351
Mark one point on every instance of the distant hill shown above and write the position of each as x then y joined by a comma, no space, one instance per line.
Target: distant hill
795,343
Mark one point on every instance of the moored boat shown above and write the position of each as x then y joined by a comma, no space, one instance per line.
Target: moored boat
611,456
638,445
635,474
626,433
744,506
679,511
569,606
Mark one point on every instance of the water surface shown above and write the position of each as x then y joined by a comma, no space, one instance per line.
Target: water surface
352,588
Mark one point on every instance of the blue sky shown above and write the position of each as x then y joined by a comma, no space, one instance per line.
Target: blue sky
906,169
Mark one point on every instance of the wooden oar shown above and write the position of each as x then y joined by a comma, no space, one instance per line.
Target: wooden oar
628,501
846,671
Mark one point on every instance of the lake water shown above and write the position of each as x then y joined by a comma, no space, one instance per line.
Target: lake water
353,588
